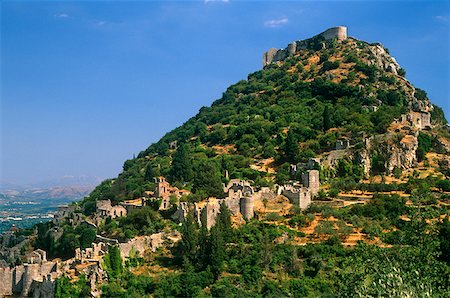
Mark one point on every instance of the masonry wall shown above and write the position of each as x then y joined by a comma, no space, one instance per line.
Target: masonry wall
339,32
300,198
6,284
233,205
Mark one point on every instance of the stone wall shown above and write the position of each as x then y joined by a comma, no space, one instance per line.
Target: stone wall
299,197
274,55
6,286
233,204
20,279
209,214
140,244
339,32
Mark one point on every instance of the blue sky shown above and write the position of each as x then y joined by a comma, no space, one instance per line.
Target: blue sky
85,85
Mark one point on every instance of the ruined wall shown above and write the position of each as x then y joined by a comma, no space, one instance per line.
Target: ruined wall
269,56
402,155
6,284
425,119
44,289
298,197
273,55
18,274
141,244
19,280
233,205
209,214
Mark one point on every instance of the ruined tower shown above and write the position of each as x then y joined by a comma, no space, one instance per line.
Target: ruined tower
310,180
247,206
209,214
340,33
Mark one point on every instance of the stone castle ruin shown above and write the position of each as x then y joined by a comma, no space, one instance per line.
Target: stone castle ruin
104,209
301,195
274,55
240,198
165,192
22,280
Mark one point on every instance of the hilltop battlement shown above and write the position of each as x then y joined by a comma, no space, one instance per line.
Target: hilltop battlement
274,55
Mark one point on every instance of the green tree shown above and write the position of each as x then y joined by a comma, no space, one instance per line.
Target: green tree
86,236
283,175
149,173
113,262
181,169
208,179
291,148
444,238
326,118
189,238
217,249
224,220
268,150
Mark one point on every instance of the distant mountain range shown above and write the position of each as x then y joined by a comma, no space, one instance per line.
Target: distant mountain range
66,187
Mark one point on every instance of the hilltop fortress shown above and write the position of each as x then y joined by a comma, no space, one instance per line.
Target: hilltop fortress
274,55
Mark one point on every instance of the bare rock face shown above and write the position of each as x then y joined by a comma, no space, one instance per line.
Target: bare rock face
383,59
363,156
403,154
269,56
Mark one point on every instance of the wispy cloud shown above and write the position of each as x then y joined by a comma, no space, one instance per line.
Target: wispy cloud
99,23
442,18
208,1
276,23
61,15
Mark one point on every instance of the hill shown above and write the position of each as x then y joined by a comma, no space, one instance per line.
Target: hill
305,99
325,174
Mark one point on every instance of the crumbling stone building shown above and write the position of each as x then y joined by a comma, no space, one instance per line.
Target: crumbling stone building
104,209
26,279
302,195
165,191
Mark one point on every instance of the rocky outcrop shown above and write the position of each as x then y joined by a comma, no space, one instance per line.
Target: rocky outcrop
403,154
383,60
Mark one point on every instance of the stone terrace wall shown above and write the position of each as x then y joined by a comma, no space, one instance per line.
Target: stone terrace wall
6,284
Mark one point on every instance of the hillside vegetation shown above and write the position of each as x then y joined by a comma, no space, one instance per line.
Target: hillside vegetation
286,113
378,226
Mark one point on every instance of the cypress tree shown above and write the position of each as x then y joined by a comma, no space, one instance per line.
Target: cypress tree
150,173
115,262
326,118
224,220
291,148
181,169
189,238
217,247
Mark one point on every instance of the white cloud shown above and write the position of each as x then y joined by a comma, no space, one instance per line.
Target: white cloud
224,1
276,23
61,15
442,18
